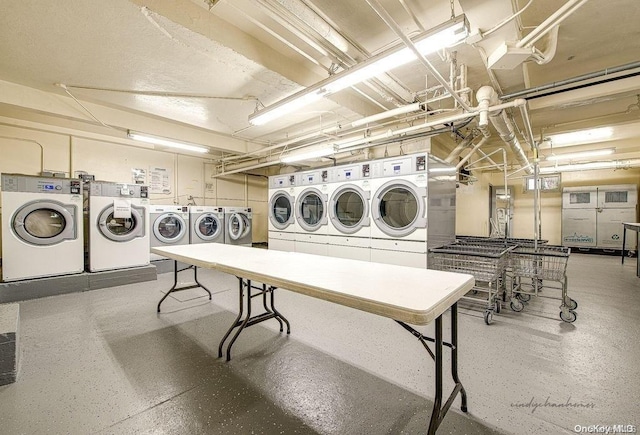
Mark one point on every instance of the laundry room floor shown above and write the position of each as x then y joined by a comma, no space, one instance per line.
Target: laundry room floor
104,362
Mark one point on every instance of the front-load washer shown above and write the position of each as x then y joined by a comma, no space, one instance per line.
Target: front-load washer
311,212
282,222
118,225
169,227
349,229
207,224
42,227
238,226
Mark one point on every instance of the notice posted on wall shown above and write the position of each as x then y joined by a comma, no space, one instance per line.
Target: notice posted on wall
139,175
159,180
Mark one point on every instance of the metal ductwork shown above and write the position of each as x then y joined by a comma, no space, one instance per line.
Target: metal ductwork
487,97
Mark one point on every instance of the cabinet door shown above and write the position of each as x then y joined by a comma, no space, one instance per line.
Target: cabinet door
610,228
579,227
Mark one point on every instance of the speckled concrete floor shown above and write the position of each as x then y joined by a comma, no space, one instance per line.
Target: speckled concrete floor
104,362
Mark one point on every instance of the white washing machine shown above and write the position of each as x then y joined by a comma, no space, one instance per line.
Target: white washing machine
207,224
169,226
311,212
238,226
118,225
399,210
42,227
282,222
349,230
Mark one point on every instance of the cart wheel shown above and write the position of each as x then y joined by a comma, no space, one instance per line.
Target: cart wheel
488,317
516,305
524,297
572,304
475,292
569,317
498,307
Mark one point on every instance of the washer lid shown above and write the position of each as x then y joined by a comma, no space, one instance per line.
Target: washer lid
311,209
45,223
349,208
398,208
122,229
238,226
169,228
207,226
281,210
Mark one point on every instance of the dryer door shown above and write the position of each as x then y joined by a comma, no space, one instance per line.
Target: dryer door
169,228
122,229
45,223
398,208
208,227
237,227
281,210
311,210
349,209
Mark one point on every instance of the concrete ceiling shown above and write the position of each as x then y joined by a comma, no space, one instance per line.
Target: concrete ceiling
210,64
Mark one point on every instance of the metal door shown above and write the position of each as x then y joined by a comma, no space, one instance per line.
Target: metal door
579,227
311,210
349,209
208,227
610,227
122,229
238,226
398,208
45,223
281,210
169,228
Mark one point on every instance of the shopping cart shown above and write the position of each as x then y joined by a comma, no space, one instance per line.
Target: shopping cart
542,264
487,264
506,241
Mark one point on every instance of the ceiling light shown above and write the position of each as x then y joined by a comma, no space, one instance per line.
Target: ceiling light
445,35
307,155
582,154
156,140
582,136
388,114
612,164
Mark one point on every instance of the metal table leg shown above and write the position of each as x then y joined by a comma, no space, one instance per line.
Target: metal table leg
439,411
624,240
175,287
270,312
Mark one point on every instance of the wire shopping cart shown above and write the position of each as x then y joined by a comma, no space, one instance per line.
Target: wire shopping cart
486,263
542,264
506,241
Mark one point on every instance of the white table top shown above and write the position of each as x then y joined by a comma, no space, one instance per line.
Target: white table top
408,294
632,226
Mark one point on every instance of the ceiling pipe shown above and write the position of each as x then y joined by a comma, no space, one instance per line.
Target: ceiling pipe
473,150
487,96
388,19
458,149
554,20
553,85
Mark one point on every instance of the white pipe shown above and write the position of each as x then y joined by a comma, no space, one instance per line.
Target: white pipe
473,150
35,142
555,19
548,54
388,114
458,149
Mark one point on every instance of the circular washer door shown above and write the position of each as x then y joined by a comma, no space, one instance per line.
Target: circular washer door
281,210
398,208
349,209
311,210
121,229
45,223
239,226
169,228
208,227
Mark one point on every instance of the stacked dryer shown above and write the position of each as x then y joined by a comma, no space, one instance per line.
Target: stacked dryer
170,226
311,212
206,224
282,219
42,227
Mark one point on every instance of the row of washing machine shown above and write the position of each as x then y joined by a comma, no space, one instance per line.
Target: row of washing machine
46,233
389,211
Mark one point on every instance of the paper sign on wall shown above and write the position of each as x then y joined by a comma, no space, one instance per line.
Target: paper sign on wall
122,209
138,175
159,180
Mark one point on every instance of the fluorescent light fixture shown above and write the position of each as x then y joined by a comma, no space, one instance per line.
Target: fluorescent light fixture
388,114
444,169
307,155
156,140
442,36
582,136
612,164
582,154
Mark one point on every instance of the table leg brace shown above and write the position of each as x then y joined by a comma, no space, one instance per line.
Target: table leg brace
175,287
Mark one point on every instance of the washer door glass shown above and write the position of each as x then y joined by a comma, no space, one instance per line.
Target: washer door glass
351,210
48,223
208,226
122,229
120,226
169,228
281,212
312,212
238,226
